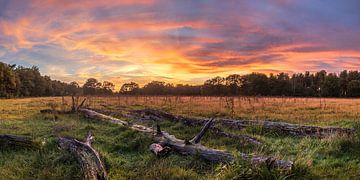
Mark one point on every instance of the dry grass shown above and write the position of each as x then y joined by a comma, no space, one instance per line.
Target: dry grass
126,152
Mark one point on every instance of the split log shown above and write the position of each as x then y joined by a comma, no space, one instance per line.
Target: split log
8,140
158,115
280,127
89,159
184,147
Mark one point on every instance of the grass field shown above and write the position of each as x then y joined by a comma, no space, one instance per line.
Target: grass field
126,153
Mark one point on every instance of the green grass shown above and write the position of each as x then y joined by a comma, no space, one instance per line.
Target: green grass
126,153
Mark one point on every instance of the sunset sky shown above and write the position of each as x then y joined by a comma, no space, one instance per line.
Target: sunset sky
178,41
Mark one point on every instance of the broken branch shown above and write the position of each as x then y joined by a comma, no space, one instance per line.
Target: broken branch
87,156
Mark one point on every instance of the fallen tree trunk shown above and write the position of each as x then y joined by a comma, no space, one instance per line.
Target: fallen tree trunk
86,155
280,127
165,139
8,140
159,115
185,147
291,129
268,161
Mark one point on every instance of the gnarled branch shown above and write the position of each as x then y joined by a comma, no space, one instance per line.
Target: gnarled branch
89,159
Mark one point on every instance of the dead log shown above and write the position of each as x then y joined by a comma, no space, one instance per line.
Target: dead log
291,129
89,159
184,147
280,127
158,115
268,161
8,140
241,137
165,139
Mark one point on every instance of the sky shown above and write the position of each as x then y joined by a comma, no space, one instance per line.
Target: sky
179,41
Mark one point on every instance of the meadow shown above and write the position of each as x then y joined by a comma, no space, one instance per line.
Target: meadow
126,155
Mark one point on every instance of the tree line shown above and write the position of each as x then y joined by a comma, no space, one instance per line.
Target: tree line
18,81
319,84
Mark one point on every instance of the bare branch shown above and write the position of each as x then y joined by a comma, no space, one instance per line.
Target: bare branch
205,128
81,104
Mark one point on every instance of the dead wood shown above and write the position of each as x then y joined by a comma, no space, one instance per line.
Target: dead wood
280,127
241,137
74,107
8,140
165,139
157,115
89,159
268,161
186,147
291,129
81,104
198,137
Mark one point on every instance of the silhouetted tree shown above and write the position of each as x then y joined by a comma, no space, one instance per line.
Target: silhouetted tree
330,87
91,86
129,88
353,88
233,81
255,84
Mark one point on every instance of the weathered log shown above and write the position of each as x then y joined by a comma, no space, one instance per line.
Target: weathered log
89,159
158,115
241,137
268,161
185,147
95,115
291,129
165,139
280,127
188,148
8,140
